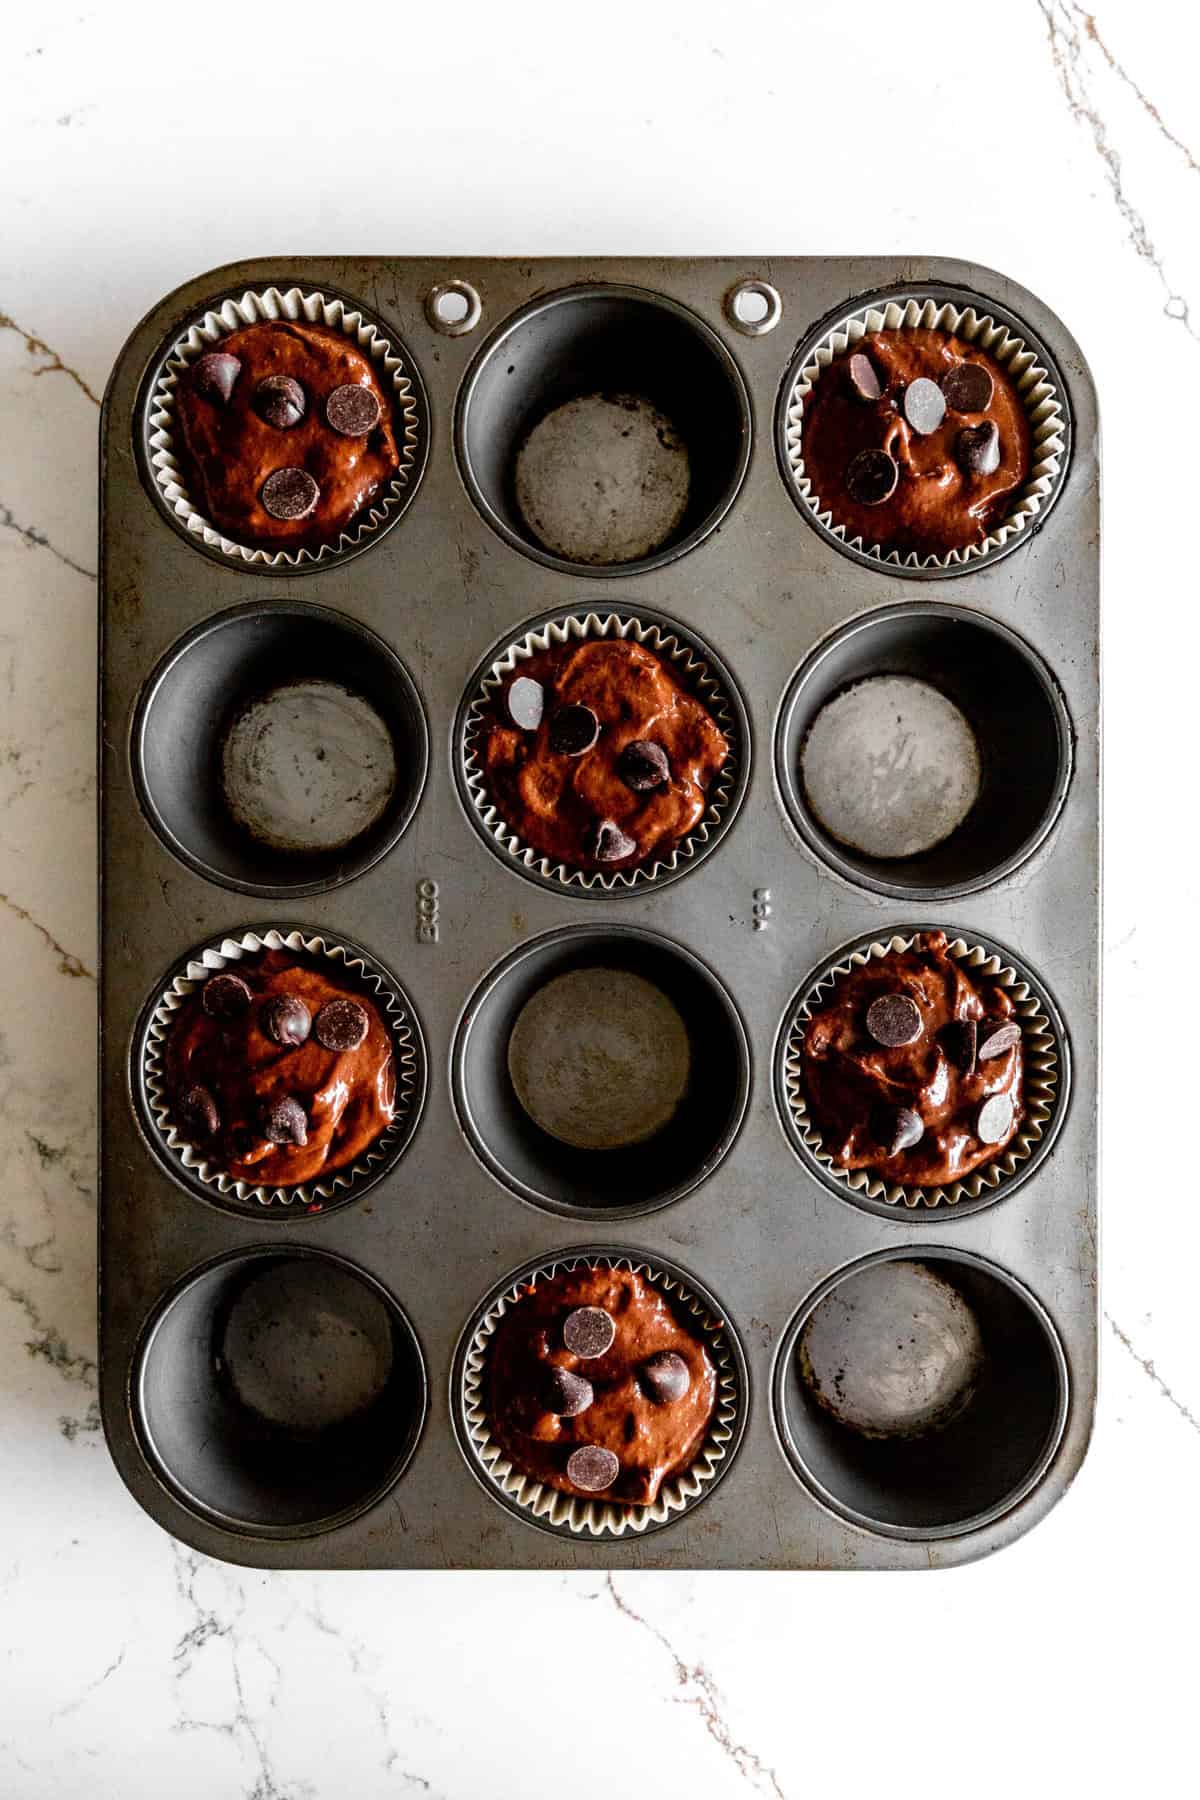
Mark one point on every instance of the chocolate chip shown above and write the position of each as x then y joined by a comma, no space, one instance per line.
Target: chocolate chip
565,1393
286,1020
863,378
526,698
643,765
225,996
606,842
592,1468
968,387
894,1019
924,405
966,1046
902,1129
353,410
998,1037
279,401
588,1331
977,448
341,1025
283,1121
871,477
995,1119
665,1377
573,729
198,1111
290,494
215,376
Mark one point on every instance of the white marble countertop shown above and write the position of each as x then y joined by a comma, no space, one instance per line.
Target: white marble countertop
140,147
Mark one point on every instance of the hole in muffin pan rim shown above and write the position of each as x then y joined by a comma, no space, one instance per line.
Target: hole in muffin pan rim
789,783
598,933
921,1217
155,1317
786,1350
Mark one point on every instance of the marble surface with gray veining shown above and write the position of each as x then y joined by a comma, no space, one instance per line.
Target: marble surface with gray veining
140,147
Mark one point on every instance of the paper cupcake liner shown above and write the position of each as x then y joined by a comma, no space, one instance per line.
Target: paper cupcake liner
341,1185
549,1506
1038,387
1043,1092
689,664
251,308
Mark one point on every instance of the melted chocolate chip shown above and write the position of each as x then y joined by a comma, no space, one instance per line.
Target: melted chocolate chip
526,699
198,1111
977,448
966,1045
871,477
902,1129
225,996
592,1468
341,1025
968,387
283,1121
286,1020
353,410
565,1393
894,1019
924,405
215,376
863,377
573,729
665,1377
606,842
998,1037
290,494
588,1331
995,1119
643,765
279,401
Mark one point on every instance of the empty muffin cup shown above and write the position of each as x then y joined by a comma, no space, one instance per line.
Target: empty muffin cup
280,750
923,751
604,430
278,1393
920,1396
600,1071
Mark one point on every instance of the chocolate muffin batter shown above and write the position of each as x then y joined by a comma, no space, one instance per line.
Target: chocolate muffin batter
278,1071
597,755
913,1067
286,434
619,1412
916,441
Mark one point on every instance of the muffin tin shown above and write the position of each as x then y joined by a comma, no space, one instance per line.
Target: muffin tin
286,1387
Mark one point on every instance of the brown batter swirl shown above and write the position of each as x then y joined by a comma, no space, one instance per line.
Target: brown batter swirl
229,451
554,801
651,1439
936,506
853,1085
348,1096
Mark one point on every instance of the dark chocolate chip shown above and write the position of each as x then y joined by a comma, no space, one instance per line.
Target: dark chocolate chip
215,376
996,1038
286,1020
588,1331
871,477
894,1019
573,729
353,410
592,1468
526,700
968,387
283,1121
290,494
606,842
665,1377
566,1393
225,996
966,1047
643,765
279,401
341,1025
198,1111
903,1129
863,377
924,405
995,1119
977,448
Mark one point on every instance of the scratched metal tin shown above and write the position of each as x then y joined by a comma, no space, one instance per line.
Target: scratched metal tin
408,621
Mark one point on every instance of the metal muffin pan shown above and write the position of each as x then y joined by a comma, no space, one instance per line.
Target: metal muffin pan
360,1472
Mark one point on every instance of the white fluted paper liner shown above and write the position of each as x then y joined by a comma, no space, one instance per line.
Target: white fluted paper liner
406,1050
297,306
596,1518
1040,1094
694,674
1036,386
